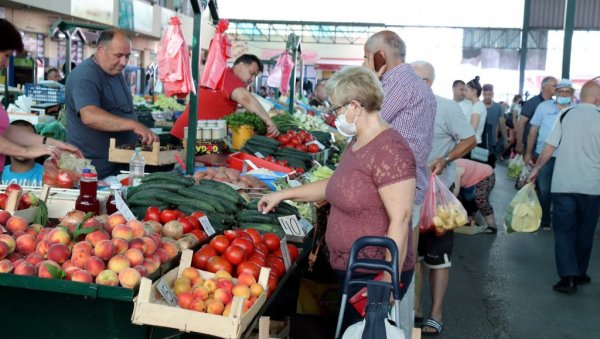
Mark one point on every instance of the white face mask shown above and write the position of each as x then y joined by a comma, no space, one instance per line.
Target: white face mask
347,129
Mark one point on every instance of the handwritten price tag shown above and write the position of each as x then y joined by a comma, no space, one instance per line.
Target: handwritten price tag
306,225
285,253
206,226
291,226
123,208
166,292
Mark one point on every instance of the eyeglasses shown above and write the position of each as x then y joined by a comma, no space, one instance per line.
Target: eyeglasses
334,110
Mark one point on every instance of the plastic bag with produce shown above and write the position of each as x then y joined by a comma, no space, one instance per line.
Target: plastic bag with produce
524,214
441,210
65,171
515,166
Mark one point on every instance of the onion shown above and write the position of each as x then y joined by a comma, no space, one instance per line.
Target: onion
72,219
154,225
173,229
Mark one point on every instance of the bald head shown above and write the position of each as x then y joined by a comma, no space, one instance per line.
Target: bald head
425,71
114,48
388,41
590,93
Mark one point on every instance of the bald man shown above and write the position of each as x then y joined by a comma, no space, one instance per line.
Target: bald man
100,106
575,187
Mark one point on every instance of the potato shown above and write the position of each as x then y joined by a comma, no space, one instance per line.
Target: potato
437,221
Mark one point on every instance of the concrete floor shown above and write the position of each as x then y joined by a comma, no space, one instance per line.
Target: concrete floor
501,286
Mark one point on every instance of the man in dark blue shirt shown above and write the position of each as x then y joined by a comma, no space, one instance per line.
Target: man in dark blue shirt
548,86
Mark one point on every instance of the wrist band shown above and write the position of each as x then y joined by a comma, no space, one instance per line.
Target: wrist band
44,140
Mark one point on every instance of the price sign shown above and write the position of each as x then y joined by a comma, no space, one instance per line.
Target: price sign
316,142
290,225
206,226
123,208
285,253
166,292
306,225
259,155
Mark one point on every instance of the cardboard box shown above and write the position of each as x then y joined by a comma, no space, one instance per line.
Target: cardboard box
156,157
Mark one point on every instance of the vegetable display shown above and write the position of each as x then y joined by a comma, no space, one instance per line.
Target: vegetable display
239,119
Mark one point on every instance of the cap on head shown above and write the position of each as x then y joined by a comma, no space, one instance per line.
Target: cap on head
488,88
565,83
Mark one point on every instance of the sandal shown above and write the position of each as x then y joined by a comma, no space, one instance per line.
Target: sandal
490,230
432,323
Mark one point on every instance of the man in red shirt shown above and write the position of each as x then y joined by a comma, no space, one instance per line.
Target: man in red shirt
217,104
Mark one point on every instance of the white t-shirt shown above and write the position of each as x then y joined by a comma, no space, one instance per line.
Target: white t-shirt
478,108
466,105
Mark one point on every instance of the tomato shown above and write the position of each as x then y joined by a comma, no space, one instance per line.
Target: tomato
293,251
198,214
258,260
179,213
261,248
271,284
295,141
12,187
255,235
49,180
272,241
187,226
219,243
277,253
167,215
277,268
64,180
248,267
201,257
283,139
282,162
301,148
195,222
217,263
235,254
231,234
152,213
313,148
201,235
244,243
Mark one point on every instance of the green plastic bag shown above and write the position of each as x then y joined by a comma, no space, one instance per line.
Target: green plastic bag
524,213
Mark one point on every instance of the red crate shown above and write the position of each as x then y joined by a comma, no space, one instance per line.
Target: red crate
236,160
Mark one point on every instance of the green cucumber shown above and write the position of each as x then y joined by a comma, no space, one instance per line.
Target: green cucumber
193,194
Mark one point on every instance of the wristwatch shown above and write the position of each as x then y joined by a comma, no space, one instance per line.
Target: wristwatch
44,140
448,160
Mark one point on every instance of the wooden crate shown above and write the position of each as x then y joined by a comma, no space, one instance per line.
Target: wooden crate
156,157
151,309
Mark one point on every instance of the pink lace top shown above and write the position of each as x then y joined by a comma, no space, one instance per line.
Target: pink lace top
356,207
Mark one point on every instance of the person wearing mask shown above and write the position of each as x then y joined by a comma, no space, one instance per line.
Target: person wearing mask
494,120
528,109
23,171
409,106
453,137
458,95
478,114
542,122
14,141
52,75
575,186
215,104
100,106
372,190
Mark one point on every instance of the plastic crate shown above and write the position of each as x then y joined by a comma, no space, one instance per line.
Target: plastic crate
41,93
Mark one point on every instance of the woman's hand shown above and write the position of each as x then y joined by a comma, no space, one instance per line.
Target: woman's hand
37,151
64,147
269,202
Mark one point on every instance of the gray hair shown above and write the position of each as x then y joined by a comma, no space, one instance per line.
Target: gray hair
356,83
424,69
390,40
547,80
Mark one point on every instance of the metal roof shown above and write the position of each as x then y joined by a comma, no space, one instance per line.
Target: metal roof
549,14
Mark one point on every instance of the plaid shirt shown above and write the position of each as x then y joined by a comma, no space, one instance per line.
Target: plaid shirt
409,106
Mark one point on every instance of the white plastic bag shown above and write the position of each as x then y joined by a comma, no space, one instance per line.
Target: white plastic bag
515,166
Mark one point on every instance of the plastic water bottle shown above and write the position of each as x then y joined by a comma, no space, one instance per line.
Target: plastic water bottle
136,167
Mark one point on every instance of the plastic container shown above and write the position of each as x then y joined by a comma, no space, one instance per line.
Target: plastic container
241,135
111,206
136,167
88,188
236,160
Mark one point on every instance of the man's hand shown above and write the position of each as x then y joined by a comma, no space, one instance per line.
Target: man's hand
533,175
272,129
147,136
438,165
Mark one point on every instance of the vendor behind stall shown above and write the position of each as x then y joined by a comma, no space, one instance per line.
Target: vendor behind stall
217,104
100,106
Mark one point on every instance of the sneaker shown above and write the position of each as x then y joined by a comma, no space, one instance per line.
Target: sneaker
546,228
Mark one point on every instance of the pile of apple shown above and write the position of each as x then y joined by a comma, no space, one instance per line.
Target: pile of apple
215,295
107,250
239,252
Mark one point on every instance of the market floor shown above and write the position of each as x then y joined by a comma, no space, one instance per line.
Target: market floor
501,286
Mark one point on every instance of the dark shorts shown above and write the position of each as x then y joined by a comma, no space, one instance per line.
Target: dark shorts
435,250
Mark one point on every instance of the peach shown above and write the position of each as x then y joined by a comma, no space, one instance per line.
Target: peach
93,223
241,291
121,245
104,249
36,227
129,277
225,284
15,256
227,310
221,274
223,295
151,245
94,265
137,227
4,216
198,281
43,234
67,264
26,244
108,278
16,223
197,305
43,271
152,264
34,258
18,262
210,285
214,306
256,290
4,250
32,231
142,270
181,285
58,252
200,292
82,276
8,240
17,234
116,219
247,305
70,270
83,246
6,266
80,257
59,235
138,243
184,299
163,255
246,279
190,273
157,238
118,263
96,236
42,247
135,256
122,231
171,249
148,229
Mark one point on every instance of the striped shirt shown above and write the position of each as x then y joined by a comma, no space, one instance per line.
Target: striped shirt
409,106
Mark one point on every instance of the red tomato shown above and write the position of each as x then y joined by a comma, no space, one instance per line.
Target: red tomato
248,267
198,214
283,139
293,251
261,248
244,243
277,253
179,214
231,234
277,267
302,148
167,215
201,235
152,213
201,257
255,235
219,243
49,180
258,260
271,284
217,263
299,170
313,148
295,141
272,241
235,254
187,225
195,222
63,179
12,187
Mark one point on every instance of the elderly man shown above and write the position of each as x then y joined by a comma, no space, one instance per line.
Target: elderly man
575,186
541,125
522,127
409,106
453,138
100,106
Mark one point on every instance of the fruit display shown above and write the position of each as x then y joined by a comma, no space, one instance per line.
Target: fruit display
26,200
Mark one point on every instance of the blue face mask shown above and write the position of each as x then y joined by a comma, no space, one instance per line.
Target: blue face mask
563,100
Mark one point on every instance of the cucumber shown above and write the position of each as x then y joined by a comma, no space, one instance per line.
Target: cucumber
258,143
192,194
265,140
140,197
257,217
226,219
219,190
162,185
189,209
184,181
148,201
176,200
